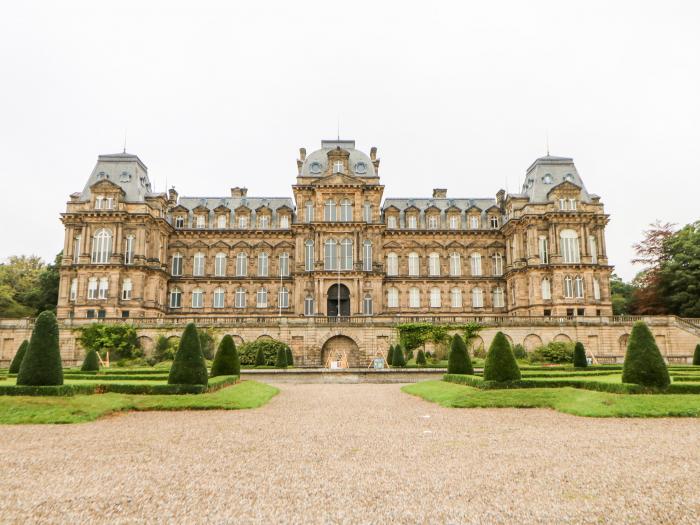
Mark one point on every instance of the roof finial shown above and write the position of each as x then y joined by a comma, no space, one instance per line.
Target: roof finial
338,128
546,134
124,150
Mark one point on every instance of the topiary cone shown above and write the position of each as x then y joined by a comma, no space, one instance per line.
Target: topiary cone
21,351
91,363
459,361
189,366
226,361
290,357
398,357
643,362
580,360
500,362
42,362
420,358
281,361
696,355
260,358
390,355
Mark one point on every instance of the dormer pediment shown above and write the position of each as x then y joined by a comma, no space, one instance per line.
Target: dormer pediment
221,209
453,209
179,209
106,186
473,209
201,209
412,208
493,209
339,179
565,188
392,209
262,209
432,209
242,209
284,207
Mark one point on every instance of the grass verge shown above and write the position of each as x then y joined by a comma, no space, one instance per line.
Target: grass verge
568,400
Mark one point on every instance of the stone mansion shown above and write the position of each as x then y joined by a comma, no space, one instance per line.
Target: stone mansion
338,248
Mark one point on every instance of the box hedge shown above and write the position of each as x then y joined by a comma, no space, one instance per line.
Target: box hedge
189,366
41,364
643,362
500,362
458,361
226,361
91,363
580,360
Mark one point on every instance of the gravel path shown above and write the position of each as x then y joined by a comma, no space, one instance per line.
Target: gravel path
353,454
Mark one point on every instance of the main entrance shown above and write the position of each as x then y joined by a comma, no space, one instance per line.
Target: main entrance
338,301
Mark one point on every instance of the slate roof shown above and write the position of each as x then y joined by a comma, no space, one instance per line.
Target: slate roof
320,157
123,169
559,169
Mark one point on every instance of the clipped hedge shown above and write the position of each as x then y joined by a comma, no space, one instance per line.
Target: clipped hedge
458,361
696,355
398,360
281,361
260,353
420,358
100,377
390,355
91,362
643,362
42,365
189,366
580,360
226,361
17,359
500,362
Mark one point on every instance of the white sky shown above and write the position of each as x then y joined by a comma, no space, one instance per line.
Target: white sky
454,94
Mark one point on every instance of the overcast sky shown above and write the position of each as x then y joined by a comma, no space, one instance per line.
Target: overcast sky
454,94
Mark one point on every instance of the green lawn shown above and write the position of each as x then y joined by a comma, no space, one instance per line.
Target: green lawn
78,409
569,400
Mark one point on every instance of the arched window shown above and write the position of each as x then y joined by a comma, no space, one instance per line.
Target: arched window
477,298
129,249
435,298
346,210
455,264
367,256
476,264
241,264
283,298
309,305
413,264
284,264
263,264
220,265
392,264
392,298
569,247
414,298
218,298
175,298
240,298
330,255
498,301
309,255
579,287
456,298
434,265
346,254
197,298
101,246
198,266
177,264
329,210
126,289
261,298
367,304
546,289
498,264
309,211
568,287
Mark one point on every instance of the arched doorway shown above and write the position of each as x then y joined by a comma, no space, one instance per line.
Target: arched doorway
342,351
338,301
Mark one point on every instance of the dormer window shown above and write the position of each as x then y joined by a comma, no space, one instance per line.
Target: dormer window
108,203
242,222
221,222
338,166
572,204
200,221
263,222
391,222
98,202
454,222
179,222
493,221
432,222
284,222
547,179
124,177
412,222
474,222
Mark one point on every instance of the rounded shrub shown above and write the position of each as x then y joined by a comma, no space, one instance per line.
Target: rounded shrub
458,362
91,363
290,357
420,358
281,358
580,360
260,357
21,351
226,362
696,355
500,362
390,355
42,362
398,358
189,366
643,362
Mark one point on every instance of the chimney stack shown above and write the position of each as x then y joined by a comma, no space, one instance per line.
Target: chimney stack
172,195
440,193
239,192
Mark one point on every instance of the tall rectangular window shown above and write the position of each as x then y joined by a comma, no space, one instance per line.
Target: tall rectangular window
474,222
126,289
309,255
73,289
498,265
221,221
593,248
543,250
242,222
198,266
476,264
263,266
455,265
412,222
309,306
391,222
200,221
76,249
346,254
102,290
284,264
92,288
367,256
283,298
219,298
309,211
367,212
392,298
284,222
129,250
414,298
177,265
179,222
454,222
392,264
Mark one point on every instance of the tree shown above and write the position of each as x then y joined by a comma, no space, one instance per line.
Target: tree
226,362
622,296
28,286
281,361
643,362
679,272
696,355
260,357
17,360
189,366
398,357
42,362
580,360
648,298
390,355
164,349
121,340
500,362
420,358
459,361
290,357
91,363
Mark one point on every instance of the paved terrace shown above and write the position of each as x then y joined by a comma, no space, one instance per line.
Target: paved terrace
353,454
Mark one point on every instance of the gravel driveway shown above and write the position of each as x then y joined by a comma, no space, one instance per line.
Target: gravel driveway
362,453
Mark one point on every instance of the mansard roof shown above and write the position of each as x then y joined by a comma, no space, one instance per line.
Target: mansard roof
440,204
316,163
546,173
124,170
232,203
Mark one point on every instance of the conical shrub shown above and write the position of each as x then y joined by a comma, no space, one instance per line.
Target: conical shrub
420,358
260,357
390,355
281,361
696,355
189,366
643,362
91,363
290,357
42,362
226,361
399,359
22,350
580,360
500,362
459,361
